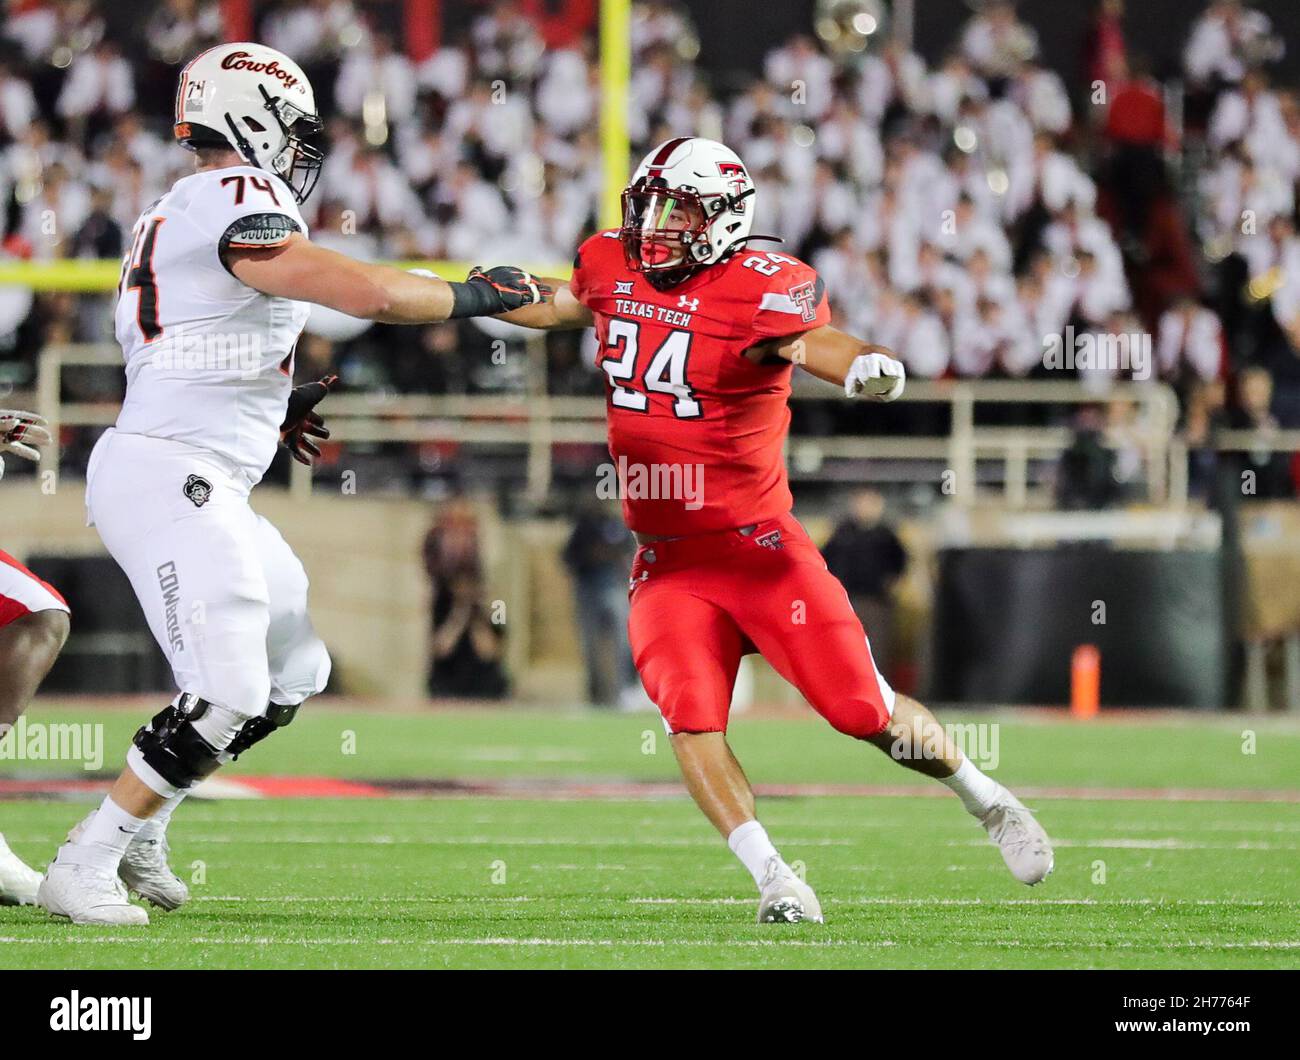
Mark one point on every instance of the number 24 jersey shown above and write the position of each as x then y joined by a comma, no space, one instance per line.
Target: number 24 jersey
696,429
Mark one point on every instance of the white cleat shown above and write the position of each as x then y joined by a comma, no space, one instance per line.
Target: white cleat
1024,845
18,882
86,894
784,898
144,867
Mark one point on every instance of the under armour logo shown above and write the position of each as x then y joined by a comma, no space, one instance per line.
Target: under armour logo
689,304
623,286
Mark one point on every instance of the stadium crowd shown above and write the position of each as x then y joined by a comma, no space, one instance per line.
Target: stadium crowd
960,207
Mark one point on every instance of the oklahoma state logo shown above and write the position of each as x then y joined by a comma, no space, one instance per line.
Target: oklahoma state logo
244,61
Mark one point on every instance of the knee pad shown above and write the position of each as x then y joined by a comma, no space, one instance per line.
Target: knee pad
173,748
255,730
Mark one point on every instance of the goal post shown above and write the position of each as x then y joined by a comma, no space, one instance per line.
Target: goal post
615,73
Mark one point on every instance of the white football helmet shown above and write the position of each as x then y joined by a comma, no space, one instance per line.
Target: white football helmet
258,101
690,204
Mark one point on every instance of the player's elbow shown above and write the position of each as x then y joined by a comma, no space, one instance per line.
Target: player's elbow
369,301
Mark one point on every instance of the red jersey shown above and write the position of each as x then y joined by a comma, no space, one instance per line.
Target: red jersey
696,429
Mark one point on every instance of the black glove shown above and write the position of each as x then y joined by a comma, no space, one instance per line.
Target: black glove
498,290
302,422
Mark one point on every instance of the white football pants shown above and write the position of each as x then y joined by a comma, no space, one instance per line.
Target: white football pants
224,595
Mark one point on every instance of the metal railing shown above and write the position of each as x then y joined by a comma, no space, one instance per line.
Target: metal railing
535,421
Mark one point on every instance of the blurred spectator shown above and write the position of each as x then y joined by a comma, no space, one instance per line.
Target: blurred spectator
17,103
180,29
1190,344
1105,54
451,546
597,555
1226,41
996,42
866,555
314,32
1135,115
1205,416
1269,471
1085,478
100,85
99,236
466,644
376,74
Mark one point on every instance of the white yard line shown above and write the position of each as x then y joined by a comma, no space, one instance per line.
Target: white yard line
1172,903
1168,843
314,942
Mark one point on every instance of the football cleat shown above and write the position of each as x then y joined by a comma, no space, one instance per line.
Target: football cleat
18,882
144,867
784,898
1021,839
87,894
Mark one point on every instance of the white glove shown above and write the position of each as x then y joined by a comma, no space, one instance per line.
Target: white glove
20,434
875,376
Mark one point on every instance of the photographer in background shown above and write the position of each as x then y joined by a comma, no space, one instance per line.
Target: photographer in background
466,645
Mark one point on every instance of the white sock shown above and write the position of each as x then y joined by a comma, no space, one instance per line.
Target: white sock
106,836
165,811
749,842
978,792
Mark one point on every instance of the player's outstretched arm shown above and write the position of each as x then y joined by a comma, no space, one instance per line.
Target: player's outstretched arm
301,270
560,311
862,368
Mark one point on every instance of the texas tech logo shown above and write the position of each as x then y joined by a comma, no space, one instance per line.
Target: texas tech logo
198,490
772,540
738,182
804,295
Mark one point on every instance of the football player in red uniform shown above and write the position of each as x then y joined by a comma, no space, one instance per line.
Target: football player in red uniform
33,627
698,336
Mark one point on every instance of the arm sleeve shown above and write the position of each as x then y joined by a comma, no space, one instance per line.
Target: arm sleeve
793,300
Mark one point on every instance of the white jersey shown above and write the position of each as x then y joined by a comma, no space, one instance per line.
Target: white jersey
209,360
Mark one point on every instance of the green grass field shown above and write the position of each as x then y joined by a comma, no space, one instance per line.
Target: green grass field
542,873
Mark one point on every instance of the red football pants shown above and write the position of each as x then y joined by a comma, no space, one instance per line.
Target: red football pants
700,603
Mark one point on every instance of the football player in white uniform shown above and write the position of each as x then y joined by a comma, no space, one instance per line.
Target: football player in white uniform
33,626
213,296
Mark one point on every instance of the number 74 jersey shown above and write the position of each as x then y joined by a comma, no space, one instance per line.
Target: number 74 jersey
209,360
696,428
